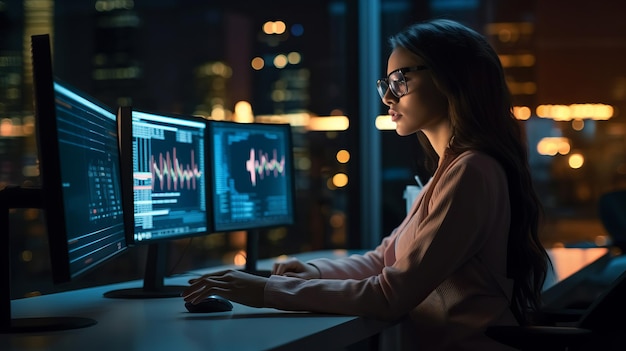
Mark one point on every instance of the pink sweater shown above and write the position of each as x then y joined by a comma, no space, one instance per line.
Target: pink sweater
444,266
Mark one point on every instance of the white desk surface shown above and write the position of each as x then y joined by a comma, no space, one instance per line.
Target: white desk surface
165,324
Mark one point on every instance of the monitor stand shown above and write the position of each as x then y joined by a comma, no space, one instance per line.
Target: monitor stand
17,197
252,254
153,286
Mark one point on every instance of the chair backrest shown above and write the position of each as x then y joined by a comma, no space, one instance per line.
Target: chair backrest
608,312
612,213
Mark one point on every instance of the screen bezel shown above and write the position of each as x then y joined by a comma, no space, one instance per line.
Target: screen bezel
285,129
50,162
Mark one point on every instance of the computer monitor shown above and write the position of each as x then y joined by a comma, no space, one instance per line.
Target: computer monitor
82,190
252,179
164,182
81,193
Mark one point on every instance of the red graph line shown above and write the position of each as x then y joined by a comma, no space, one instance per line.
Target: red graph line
177,174
264,165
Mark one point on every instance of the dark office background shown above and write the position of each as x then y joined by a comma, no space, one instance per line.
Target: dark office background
194,57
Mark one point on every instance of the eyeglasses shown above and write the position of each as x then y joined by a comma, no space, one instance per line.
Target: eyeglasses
396,82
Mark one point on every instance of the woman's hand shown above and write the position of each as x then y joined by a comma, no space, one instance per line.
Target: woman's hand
295,268
234,285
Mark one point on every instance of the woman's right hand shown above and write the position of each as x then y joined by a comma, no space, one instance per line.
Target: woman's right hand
295,268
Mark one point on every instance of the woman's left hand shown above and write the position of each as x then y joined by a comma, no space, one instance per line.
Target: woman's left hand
234,285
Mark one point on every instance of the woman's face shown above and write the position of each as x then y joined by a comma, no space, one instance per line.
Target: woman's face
423,107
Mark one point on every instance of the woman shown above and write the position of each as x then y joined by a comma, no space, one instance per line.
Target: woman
467,255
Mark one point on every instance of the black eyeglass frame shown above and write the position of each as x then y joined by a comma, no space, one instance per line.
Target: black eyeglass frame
402,71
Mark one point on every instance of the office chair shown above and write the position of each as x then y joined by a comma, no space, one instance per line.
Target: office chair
612,213
601,327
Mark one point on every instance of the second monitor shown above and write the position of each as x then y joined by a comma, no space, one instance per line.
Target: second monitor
252,180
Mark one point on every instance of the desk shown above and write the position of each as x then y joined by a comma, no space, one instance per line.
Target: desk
165,324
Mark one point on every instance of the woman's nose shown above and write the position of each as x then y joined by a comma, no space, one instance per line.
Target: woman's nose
389,98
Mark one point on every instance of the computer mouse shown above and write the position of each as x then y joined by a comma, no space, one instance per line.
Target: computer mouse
212,303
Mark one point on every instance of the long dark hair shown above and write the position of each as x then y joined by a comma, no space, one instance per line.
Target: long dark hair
467,70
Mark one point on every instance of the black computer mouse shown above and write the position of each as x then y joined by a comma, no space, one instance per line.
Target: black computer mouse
212,303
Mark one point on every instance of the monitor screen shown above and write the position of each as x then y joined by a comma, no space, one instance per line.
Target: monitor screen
252,179
168,166
80,171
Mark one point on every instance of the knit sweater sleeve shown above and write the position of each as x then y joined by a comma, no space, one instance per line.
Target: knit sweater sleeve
466,204
355,266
